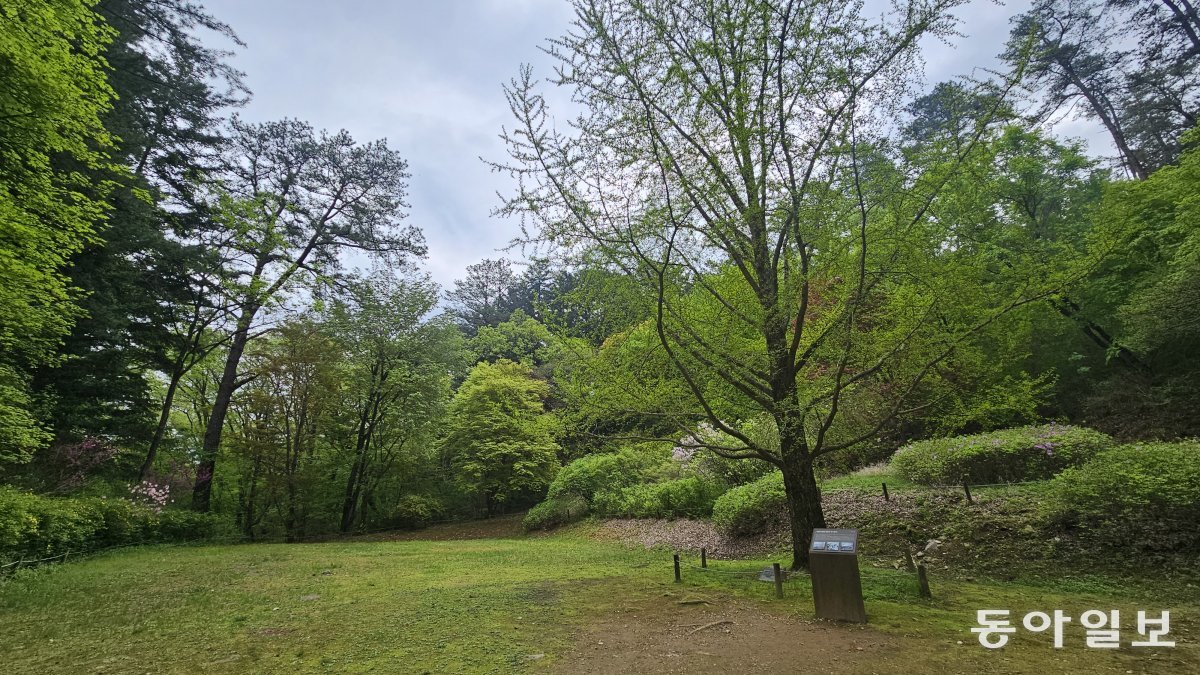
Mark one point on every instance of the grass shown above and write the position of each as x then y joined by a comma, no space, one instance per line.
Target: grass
482,605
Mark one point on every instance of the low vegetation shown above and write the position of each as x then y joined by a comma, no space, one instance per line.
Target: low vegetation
494,605
1007,456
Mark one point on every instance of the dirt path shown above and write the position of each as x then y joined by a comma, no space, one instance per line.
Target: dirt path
663,636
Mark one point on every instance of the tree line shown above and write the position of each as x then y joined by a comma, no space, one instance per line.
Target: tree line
763,238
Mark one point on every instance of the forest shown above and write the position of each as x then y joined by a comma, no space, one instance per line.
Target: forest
765,254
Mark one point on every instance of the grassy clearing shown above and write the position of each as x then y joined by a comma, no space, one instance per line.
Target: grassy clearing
483,605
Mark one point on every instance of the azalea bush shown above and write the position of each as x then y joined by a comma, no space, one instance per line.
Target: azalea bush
554,512
1005,456
752,508
690,497
35,526
1144,494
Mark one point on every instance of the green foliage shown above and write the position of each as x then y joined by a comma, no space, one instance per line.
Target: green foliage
417,511
606,472
690,497
520,339
752,508
53,94
555,511
33,526
1145,493
1007,456
500,440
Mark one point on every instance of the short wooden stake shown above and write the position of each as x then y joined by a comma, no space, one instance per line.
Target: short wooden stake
908,559
677,577
967,489
886,498
778,580
923,581
703,558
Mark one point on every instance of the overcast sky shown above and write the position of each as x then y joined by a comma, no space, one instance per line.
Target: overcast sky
427,75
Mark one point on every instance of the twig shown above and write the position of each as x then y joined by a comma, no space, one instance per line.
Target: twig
709,625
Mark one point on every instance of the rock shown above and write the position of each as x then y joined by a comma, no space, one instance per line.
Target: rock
932,546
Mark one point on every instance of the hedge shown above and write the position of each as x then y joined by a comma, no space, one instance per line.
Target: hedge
554,512
690,497
34,526
1006,456
751,509
1144,492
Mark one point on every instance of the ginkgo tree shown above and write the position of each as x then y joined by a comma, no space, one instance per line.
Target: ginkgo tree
740,161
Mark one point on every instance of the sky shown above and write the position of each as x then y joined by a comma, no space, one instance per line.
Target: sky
427,75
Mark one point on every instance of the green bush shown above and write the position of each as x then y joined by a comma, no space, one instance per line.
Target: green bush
609,472
417,511
682,498
554,512
1007,456
752,508
1145,492
34,526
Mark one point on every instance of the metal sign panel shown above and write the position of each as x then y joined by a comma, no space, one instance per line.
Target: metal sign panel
837,587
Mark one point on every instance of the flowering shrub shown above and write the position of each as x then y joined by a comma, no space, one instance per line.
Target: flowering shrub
1006,456
34,526
151,494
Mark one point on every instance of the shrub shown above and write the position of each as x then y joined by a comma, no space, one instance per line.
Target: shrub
554,512
34,526
606,472
752,508
1007,456
1143,493
686,497
417,511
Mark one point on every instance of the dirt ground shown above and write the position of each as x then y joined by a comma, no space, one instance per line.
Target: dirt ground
725,635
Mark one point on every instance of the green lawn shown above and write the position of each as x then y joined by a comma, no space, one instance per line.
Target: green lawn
483,605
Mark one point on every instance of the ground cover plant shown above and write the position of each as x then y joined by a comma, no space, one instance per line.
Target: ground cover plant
497,604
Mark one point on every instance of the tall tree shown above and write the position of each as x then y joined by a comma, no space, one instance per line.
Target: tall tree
146,276
482,298
500,442
53,98
735,158
292,201
398,380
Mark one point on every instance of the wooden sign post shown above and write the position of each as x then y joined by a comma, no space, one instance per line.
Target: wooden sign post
837,587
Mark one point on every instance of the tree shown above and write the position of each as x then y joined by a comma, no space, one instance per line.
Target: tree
53,95
281,418
482,299
290,202
500,443
398,380
736,161
1145,95
146,274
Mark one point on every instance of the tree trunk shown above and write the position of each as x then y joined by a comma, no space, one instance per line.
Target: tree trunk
202,492
163,418
804,506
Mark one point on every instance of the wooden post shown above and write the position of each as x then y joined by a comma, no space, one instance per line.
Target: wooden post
778,580
886,498
677,578
908,559
703,558
923,581
967,489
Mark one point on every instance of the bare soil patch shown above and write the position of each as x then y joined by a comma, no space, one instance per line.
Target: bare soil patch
725,635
